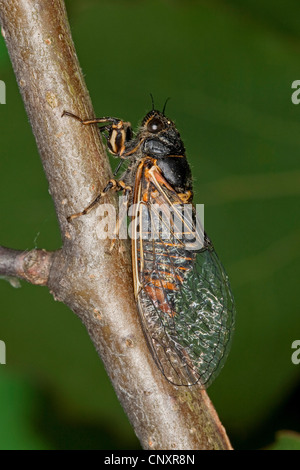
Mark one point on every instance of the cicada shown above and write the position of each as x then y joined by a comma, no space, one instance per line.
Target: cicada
186,308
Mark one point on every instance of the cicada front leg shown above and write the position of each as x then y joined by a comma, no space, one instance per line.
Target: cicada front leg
116,132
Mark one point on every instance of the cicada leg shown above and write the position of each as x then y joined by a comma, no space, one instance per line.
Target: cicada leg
127,190
119,132
113,185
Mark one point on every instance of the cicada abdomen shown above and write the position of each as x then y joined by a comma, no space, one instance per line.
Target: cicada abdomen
184,298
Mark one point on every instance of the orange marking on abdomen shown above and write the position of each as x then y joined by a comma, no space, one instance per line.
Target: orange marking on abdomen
158,298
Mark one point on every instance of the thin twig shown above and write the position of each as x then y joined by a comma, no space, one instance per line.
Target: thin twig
32,266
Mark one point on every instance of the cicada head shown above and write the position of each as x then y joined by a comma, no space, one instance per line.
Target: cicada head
160,136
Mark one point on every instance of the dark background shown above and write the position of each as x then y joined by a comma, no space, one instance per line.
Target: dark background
228,68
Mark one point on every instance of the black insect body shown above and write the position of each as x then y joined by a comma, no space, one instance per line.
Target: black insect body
183,294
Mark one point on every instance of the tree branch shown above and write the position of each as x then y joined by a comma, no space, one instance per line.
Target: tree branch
94,282
32,266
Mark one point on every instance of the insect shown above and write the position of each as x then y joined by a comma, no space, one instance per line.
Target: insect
185,304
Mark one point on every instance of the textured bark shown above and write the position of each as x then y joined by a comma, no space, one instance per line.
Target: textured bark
94,282
32,266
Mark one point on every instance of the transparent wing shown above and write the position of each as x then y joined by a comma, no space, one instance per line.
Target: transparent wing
184,298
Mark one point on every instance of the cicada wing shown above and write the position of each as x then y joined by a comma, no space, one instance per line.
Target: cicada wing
205,312
185,303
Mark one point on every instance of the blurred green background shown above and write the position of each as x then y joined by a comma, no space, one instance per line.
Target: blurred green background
228,68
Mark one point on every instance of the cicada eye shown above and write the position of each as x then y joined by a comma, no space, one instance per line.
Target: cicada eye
155,125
